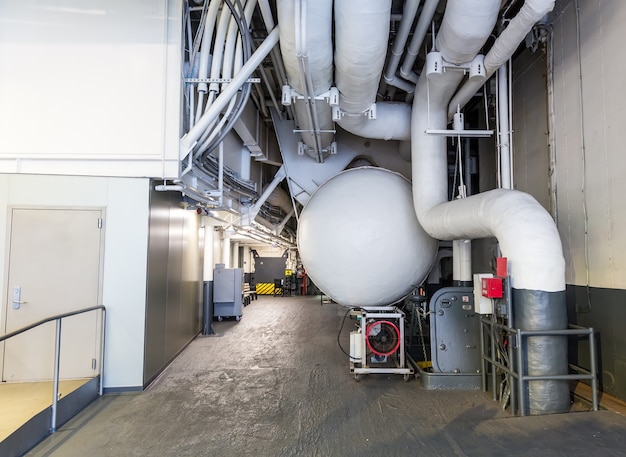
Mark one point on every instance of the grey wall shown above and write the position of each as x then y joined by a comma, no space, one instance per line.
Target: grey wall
174,283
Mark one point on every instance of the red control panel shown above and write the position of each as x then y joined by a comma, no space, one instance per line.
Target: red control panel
492,287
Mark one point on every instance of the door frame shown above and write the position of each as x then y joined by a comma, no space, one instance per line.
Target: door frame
7,257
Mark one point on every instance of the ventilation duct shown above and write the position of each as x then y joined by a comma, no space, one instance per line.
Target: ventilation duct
527,234
307,51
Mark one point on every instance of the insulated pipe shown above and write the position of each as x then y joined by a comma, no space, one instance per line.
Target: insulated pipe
188,141
317,41
393,122
504,127
361,40
531,12
527,235
421,28
459,41
408,16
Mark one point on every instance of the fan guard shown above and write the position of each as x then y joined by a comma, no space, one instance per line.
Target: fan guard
382,337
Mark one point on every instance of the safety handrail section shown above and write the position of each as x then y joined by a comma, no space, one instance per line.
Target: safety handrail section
518,344
57,351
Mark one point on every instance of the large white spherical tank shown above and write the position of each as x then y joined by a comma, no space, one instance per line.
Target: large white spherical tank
360,241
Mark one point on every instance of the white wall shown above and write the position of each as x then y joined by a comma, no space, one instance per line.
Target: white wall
90,87
602,111
125,255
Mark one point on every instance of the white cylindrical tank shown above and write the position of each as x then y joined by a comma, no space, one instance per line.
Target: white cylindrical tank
360,241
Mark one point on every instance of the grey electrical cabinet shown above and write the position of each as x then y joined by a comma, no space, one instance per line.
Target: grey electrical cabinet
227,292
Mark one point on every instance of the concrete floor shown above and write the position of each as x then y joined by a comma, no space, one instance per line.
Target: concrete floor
276,384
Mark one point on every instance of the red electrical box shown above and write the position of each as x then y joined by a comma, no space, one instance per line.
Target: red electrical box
492,287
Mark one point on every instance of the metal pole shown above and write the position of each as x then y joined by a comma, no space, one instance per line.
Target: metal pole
483,374
494,378
55,388
520,373
102,341
594,379
510,375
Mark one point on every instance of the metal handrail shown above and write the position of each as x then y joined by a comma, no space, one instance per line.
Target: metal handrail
519,374
57,351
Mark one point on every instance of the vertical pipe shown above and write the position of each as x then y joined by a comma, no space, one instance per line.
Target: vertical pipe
504,122
55,386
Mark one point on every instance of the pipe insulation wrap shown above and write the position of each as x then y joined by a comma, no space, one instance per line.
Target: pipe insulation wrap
505,45
393,122
318,46
459,39
546,355
318,42
360,241
526,232
361,37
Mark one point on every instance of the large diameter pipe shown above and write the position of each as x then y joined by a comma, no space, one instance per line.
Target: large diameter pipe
459,39
306,27
526,233
531,12
188,141
361,40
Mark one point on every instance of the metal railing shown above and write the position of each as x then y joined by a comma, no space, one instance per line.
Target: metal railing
518,345
57,352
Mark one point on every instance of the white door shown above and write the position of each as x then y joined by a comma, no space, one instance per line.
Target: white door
54,266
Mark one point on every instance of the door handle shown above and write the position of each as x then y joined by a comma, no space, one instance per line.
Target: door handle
17,298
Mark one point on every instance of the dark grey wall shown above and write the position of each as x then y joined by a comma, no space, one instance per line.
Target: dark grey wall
266,269
605,311
174,282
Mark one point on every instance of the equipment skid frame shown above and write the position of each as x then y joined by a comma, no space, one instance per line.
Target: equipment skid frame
399,358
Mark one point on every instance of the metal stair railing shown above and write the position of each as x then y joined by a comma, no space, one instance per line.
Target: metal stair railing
57,351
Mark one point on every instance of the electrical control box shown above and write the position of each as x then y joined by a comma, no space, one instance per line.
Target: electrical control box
482,305
492,287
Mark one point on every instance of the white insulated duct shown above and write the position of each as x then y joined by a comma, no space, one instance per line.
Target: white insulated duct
361,36
465,28
531,12
307,51
361,40
527,234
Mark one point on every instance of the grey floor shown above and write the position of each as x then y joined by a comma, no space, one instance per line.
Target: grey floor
276,384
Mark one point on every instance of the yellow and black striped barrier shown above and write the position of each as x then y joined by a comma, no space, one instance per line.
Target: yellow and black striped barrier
265,288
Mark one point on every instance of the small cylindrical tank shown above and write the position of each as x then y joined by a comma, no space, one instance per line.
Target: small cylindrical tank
360,241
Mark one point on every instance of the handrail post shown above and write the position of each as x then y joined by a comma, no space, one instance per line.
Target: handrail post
520,372
102,341
55,389
594,369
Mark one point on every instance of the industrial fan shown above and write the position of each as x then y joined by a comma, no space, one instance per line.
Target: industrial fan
378,345
382,337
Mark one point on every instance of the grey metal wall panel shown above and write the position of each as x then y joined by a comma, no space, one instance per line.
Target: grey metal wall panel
156,286
174,282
